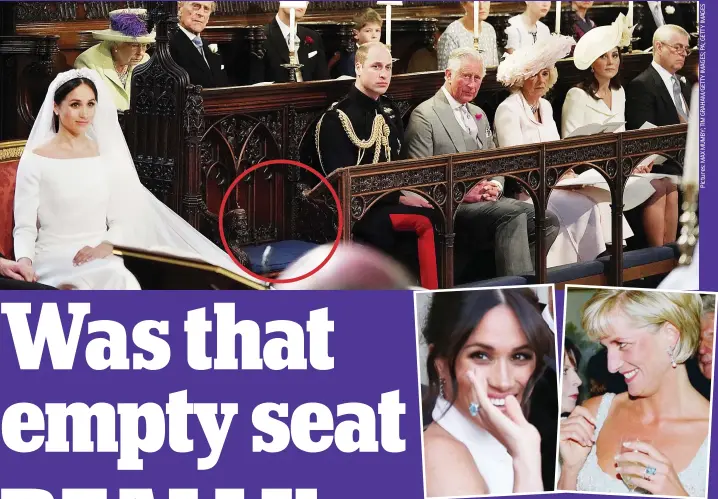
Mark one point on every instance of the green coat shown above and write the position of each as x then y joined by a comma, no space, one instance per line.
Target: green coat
98,58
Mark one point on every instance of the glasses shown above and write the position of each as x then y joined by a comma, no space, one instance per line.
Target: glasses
679,49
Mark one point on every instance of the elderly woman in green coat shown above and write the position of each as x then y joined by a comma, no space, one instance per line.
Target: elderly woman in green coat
122,47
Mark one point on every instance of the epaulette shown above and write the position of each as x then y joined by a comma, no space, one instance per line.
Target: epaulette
335,105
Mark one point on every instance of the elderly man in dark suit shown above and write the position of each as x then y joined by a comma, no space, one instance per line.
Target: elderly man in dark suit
190,51
448,124
309,51
659,95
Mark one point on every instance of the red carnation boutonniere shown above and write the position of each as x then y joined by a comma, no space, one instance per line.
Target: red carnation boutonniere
308,40
479,116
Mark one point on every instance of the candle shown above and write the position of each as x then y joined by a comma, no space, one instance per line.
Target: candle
558,17
476,20
630,13
388,25
388,5
292,6
691,163
292,30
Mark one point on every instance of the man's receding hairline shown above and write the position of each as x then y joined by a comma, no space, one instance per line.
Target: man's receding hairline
383,49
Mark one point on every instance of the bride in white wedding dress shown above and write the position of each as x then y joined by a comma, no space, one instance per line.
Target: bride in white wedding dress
78,194
480,441
654,438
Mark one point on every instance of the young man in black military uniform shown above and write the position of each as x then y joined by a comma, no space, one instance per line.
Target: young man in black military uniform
366,128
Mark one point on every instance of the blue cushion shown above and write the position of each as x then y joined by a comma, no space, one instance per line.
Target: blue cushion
497,281
282,253
574,271
644,256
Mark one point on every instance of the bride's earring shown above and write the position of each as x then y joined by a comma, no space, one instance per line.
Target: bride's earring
673,359
441,387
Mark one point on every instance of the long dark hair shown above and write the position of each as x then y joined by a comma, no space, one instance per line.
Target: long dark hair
454,316
589,83
66,88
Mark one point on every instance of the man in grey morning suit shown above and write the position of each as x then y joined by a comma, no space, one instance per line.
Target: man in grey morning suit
448,124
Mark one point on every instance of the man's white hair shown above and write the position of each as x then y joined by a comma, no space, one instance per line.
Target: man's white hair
663,34
180,4
458,55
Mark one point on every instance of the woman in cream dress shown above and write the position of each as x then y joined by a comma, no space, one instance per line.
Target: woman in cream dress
601,99
526,118
654,438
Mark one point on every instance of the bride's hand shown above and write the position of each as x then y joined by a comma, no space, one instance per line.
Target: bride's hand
87,254
577,438
521,438
639,465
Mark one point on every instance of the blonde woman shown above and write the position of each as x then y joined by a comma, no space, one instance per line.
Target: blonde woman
654,438
122,47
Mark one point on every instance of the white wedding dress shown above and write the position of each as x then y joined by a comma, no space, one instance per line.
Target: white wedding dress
61,206
490,456
593,479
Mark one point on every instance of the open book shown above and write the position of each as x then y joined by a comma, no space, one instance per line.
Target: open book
595,128
165,268
638,187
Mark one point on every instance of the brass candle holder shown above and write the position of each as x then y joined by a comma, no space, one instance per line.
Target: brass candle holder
689,225
293,67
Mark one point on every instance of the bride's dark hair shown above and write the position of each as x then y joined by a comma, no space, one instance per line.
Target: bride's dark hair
452,318
66,88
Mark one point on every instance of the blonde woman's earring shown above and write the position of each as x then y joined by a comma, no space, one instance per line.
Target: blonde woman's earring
673,359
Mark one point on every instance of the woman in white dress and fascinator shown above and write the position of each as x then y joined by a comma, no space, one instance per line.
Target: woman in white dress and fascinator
654,438
601,99
480,440
526,117
78,194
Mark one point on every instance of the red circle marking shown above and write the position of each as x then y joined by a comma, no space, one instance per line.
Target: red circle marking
270,163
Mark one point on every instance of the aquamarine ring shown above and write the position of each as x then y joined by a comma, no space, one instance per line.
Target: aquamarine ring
474,409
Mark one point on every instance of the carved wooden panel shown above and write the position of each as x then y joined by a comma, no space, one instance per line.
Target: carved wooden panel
371,182
229,147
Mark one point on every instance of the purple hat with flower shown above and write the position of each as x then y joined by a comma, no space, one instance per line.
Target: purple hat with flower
126,25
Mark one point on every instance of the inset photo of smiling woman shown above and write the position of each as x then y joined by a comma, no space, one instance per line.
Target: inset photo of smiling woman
489,385
635,392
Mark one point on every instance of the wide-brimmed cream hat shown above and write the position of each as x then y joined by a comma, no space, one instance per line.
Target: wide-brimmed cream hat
601,40
527,61
126,25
